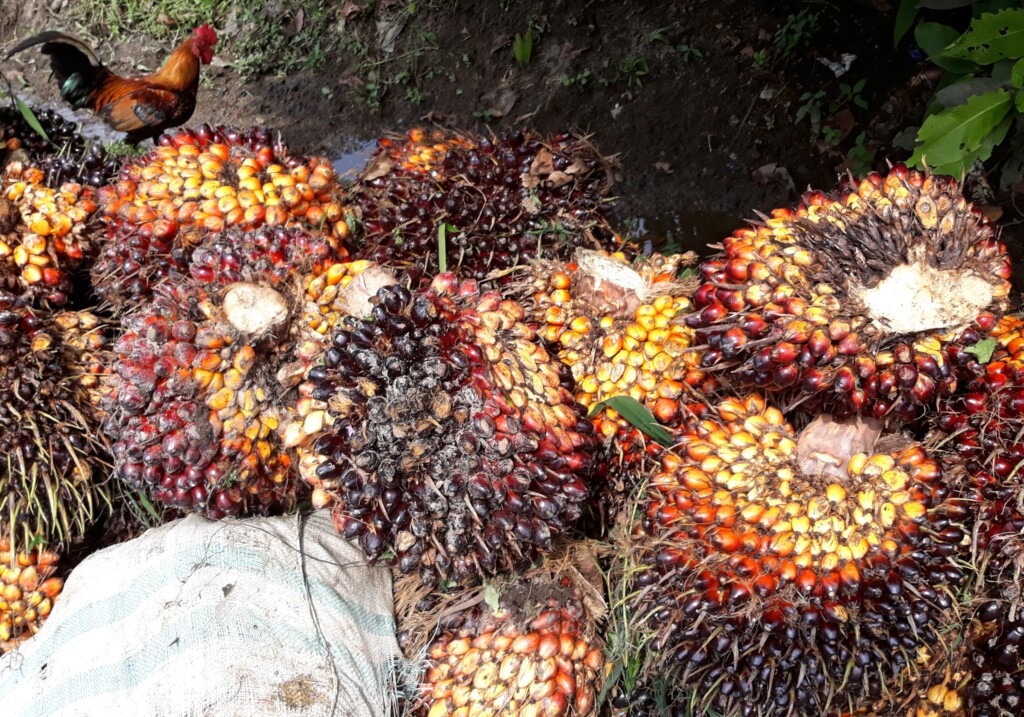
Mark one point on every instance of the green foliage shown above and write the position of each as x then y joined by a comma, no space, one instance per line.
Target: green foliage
982,92
798,30
638,416
266,37
30,117
810,109
983,350
522,47
950,140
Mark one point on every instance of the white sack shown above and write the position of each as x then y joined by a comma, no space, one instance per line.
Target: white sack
215,619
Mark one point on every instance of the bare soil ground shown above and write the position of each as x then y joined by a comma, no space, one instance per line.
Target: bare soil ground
700,99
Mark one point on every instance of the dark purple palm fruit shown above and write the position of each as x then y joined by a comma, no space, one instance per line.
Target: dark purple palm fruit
456,449
507,199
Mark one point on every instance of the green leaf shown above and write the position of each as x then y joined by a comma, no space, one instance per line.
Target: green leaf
637,414
1017,75
904,19
1018,101
31,118
934,38
492,597
991,38
949,139
1001,71
983,350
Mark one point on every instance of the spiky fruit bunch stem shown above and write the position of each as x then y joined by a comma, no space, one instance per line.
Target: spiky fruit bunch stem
45,234
534,651
854,298
51,483
509,199
817,588
455,446
27,592
205,181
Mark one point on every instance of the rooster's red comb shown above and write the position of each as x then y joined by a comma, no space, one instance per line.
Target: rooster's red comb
206,34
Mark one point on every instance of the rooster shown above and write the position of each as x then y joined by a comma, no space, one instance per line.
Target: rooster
142,106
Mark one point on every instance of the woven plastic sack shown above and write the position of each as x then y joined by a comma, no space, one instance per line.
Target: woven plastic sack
215,619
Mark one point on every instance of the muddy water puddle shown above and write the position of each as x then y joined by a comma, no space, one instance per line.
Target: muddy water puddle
351,156
682,232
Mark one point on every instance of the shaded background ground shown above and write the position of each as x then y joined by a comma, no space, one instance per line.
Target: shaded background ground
710,105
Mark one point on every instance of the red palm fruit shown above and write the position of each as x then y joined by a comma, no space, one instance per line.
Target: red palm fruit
53,484
28,589
205,181
455,449
880,279
982,428
509,198
45,233
785,589
535,650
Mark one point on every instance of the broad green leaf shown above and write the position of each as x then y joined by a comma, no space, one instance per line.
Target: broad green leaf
959,92
991,38
934,38
1001,70
950,138
31,118
993,139
904,20
637,414
1017,75
983,350
1019,102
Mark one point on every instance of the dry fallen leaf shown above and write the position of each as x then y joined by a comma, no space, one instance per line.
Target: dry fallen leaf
381,166
499,101
991,212
349,10
543,163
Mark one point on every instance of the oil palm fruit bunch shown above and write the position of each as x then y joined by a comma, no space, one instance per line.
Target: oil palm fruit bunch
617,326
194,403
456,448
53,484
64,155
46,234
983,427
49,368
204,181
768,590
28,588
510,198
534,650
854,297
